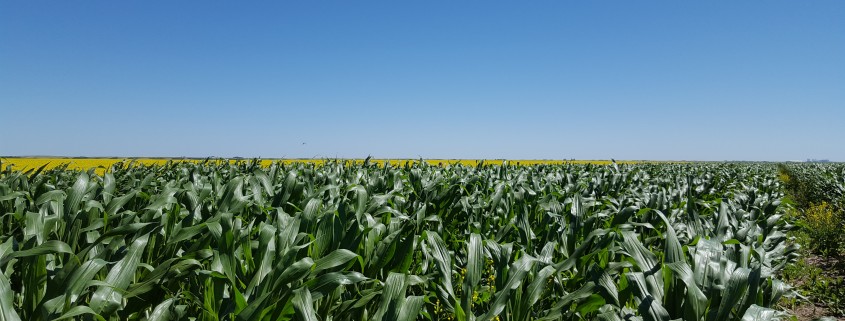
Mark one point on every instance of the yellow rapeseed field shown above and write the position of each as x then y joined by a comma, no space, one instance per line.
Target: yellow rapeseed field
101,164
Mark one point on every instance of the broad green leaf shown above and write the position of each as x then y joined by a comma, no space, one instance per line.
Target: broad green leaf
106,300
7,309
758,313
303,306
162,311
334,259
392,298
695,298
517,272
75,312
48,247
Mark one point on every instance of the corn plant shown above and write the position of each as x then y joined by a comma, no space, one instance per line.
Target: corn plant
361,241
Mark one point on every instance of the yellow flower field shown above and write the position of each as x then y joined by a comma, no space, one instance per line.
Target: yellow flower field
103,163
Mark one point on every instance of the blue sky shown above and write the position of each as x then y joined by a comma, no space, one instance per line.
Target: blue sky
663,80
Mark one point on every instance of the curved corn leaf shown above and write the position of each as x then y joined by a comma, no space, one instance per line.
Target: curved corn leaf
77,311
303,306
108,299
7,309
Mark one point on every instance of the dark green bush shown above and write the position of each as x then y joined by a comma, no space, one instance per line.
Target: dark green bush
807,186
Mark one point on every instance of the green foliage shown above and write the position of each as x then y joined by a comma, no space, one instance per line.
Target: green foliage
220,241
815,194
824,227
830,291
815,283
813,184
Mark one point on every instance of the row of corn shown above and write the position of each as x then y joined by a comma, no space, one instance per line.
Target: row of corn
241,241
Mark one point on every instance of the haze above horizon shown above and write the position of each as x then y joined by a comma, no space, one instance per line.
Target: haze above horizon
469,80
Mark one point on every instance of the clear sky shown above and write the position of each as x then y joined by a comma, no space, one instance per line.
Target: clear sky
663,80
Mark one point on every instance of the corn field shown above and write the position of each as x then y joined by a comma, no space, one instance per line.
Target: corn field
241,241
